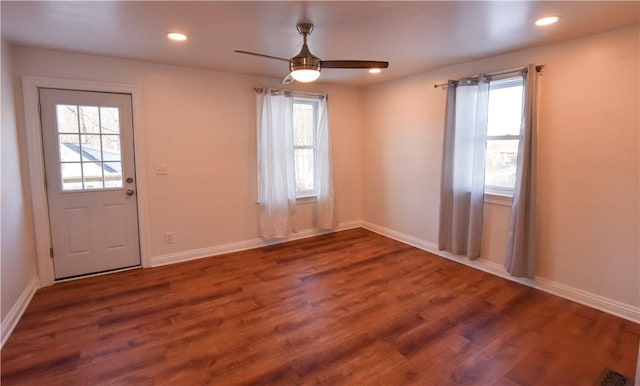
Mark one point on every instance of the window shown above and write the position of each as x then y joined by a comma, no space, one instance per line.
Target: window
294,146
89,147
503,133
305,121
294,160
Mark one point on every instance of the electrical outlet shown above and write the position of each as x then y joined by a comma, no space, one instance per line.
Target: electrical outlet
168,238
162,169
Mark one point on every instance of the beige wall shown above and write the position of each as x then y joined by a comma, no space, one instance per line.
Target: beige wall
588,161
201,124
17,255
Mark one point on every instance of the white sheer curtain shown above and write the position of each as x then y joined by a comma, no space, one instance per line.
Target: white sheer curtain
521,249
276,178
462,189
326,217
276,166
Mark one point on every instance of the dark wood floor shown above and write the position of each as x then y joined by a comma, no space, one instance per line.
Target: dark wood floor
350,308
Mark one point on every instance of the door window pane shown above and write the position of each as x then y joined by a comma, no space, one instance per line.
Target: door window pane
89,119
112,175
67,118
92,159
92,175
111,148
91,148
110,120
71,176
69,148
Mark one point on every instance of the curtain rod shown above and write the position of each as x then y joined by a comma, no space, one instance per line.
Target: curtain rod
539,68
260,90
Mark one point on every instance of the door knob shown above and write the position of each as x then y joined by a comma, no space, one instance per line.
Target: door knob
130,192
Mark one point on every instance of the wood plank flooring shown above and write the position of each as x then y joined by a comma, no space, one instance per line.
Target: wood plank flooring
349,308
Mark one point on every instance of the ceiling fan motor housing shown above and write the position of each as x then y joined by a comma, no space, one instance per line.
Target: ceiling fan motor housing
305,60
301,62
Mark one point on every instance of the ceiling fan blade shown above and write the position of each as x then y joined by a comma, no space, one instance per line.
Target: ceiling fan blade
353,64
287,79
261,55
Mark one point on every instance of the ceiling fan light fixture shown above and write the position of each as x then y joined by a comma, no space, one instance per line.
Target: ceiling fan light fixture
305,67
375,70
305,76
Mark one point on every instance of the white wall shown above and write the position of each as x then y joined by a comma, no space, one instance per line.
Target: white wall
202,125
17,255
588,161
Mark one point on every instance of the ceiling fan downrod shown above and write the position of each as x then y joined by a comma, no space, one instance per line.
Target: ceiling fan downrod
305,60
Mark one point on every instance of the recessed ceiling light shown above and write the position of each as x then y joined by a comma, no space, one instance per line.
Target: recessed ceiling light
177,36
547,20
374,71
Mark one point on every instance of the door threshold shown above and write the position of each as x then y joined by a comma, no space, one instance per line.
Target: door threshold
101,273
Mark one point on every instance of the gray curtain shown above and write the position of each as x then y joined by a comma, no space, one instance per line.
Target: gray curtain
521,249
462,189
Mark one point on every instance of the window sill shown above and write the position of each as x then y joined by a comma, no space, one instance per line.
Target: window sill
306,199
498,199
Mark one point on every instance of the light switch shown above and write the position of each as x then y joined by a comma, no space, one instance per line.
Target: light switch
162,169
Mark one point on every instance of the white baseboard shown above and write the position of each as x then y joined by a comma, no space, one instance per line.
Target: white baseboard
15,313
242,245
586,298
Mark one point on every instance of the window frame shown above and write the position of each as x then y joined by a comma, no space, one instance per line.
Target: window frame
498,194
308,195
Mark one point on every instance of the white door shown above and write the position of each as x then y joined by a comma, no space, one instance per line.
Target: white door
90,174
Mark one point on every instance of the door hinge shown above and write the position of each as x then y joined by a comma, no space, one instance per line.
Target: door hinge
51,252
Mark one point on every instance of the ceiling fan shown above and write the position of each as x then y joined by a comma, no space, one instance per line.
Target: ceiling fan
305,67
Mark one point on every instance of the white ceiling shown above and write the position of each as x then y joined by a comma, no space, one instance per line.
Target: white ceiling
412,36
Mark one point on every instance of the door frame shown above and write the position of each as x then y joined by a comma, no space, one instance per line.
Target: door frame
35,149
